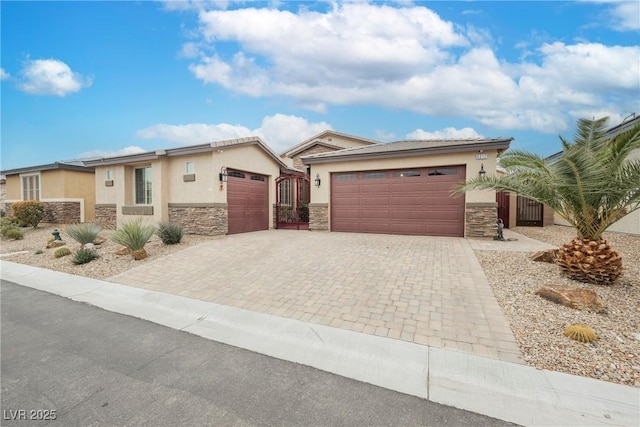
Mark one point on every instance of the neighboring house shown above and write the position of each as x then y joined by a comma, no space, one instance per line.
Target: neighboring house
405,187
221,187
323,142
630,223
3,193
67,190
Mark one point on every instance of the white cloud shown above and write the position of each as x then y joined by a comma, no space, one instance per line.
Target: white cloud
51,77
279,131
625,15
194,133
132,149
409,58
3,74
446,133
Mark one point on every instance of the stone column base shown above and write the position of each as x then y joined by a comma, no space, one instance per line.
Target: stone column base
481,219
319,216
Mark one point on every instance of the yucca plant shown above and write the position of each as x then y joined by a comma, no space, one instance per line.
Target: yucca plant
170,233
592,183
84,232
84,256
134,235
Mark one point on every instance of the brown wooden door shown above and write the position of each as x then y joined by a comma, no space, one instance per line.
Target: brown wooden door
403,201
247,202
502,198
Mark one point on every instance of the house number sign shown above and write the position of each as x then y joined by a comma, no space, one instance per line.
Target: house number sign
482,156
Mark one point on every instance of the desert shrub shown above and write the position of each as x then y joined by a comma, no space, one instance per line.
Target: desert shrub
2,213
84,256
12,233
61,251
7,225
170,233
134,235
28,212
84,232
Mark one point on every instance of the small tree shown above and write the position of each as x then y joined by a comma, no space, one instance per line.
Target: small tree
28,212
592,183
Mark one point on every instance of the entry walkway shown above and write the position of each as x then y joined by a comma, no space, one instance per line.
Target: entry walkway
424,290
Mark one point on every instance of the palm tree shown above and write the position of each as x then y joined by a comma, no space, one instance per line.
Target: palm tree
591,183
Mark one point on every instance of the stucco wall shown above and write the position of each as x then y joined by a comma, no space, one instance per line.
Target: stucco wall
13,188
202,189
170,187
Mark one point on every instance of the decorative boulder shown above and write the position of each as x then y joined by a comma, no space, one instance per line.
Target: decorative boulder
99,240
123,250
548,255
89,246
55,244
580,299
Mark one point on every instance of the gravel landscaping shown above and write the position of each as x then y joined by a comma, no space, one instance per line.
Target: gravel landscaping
537,324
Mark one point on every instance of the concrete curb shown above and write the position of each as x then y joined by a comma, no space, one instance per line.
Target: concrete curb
511,392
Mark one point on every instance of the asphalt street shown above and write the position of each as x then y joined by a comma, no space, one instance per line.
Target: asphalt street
71,364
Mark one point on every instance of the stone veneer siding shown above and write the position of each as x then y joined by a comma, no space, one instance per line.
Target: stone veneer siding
481,219
106,216
318,216
208,219
57,212
62,212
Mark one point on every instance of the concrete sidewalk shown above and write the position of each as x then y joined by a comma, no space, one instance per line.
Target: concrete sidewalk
508,391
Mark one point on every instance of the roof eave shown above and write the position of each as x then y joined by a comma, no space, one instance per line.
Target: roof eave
498,145
47,167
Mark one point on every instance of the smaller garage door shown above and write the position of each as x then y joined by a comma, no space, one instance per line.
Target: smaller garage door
247,202
404,201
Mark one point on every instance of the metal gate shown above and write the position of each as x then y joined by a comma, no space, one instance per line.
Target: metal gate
529,212
502,198
293,194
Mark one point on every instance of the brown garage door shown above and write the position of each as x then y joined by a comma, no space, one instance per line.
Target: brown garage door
247,201
404,201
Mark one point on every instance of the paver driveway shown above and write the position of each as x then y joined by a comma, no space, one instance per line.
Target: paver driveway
427,290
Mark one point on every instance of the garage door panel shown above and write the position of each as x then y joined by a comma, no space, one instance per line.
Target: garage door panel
407,214
369,214
398,202
374,202
369,188
247,202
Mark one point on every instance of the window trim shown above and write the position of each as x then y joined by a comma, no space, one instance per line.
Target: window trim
147,179
38,189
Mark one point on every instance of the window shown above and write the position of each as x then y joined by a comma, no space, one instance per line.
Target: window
375,175
31,187
285,192
257,178
189,168
109,174
236,174
143,185
346,176
436,172
405,174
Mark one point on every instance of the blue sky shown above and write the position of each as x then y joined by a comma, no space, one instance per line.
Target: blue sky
83,79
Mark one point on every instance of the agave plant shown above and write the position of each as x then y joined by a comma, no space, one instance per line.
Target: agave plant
134,235
592,183
84,232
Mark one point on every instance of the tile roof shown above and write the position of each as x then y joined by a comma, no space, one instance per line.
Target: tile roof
410,147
